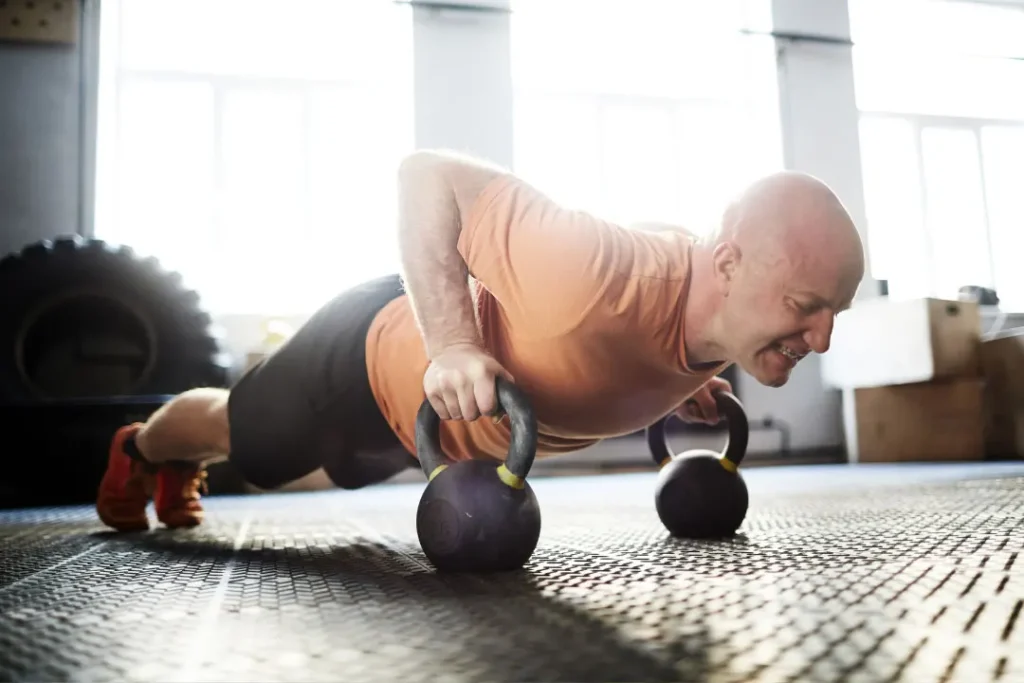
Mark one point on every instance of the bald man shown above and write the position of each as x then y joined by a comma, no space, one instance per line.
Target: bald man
606,328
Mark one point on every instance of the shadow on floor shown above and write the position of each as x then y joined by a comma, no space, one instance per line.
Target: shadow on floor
509,624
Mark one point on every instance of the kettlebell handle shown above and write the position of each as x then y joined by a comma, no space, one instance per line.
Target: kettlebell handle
522,446
736,443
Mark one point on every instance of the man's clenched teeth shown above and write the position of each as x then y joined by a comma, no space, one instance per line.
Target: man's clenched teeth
789,353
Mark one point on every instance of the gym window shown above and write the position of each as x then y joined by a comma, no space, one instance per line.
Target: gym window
623,109
940,87
259,161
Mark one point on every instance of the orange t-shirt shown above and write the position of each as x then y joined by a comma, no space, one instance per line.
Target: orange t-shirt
586,315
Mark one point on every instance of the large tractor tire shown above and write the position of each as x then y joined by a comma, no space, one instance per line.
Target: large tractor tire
80,318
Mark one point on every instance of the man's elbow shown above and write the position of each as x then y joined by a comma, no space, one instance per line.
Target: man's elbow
449,163
424,182
452,174
419,164
426,197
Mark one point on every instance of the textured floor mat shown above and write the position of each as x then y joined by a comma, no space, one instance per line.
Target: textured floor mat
853,574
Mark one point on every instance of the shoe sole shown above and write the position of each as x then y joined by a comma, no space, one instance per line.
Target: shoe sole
182,523
122,525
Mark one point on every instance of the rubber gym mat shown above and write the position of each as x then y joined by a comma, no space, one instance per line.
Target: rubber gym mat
839,573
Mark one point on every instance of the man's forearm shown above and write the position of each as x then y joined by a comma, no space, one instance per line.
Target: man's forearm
436,277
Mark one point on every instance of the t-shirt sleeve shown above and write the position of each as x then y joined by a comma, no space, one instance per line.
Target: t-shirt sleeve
546,265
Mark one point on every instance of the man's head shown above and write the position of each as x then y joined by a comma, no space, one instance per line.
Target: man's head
785,261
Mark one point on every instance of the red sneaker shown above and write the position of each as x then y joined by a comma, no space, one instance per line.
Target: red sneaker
178,493
126,487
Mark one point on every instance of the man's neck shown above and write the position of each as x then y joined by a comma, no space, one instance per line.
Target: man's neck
699,319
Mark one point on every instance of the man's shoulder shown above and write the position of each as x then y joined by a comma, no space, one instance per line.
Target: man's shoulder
662,228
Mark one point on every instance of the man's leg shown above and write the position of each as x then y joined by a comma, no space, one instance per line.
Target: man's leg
192,427
264,424
164,458
308,406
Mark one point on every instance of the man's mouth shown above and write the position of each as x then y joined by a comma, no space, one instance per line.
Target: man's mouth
789,353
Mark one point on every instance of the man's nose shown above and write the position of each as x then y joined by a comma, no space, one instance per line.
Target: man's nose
819,335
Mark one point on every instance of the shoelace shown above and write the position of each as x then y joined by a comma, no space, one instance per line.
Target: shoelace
194,485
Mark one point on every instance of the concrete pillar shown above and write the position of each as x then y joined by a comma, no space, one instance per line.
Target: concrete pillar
819,119
463,78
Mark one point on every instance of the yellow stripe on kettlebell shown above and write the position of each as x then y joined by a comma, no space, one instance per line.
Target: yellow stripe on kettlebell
437,470
664,462
508,478
728,465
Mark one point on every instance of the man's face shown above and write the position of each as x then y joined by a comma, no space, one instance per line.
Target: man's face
778,312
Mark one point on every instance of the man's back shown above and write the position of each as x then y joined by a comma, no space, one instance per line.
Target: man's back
587,316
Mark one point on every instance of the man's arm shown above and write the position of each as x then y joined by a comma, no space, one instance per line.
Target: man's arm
437,191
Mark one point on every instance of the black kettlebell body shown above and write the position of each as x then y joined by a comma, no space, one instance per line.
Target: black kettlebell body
701,493
469,520
478,515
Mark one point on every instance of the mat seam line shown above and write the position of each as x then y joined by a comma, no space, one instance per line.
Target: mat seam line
52,567
201,640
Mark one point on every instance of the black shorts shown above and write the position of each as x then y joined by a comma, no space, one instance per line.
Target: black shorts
309,405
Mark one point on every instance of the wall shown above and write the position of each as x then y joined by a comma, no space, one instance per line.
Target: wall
45,176
40,143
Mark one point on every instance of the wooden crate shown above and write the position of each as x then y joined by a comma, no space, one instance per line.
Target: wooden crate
1002,360
942,420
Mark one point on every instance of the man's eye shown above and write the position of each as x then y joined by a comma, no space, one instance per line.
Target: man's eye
809,309
803,308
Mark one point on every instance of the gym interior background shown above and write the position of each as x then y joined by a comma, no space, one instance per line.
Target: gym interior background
250,146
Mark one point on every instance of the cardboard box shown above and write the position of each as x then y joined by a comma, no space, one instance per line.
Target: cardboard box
1002,361
934,421
882,342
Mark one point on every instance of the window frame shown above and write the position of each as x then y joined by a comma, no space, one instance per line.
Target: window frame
918,124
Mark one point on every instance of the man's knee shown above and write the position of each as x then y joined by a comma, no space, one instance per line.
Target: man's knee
210,406
361,469
314,481
351,481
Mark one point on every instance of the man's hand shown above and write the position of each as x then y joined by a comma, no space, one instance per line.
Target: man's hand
459,382
701,406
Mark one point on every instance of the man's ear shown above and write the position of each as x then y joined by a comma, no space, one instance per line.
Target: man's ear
725,259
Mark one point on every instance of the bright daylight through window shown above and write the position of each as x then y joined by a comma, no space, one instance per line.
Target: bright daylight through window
253,150
940,86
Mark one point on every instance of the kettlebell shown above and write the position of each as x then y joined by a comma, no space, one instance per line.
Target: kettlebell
474,515
701,493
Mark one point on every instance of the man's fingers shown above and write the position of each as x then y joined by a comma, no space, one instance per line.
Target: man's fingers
451,402
689,412
437,403
708,409
467,403
486,400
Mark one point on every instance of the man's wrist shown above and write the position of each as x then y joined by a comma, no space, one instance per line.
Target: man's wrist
436,347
